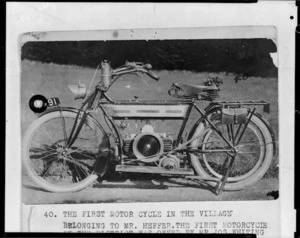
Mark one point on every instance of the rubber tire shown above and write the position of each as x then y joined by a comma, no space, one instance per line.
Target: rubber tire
257,175
26,160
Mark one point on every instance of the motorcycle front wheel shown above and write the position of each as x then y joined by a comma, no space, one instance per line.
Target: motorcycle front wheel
253,158
53,166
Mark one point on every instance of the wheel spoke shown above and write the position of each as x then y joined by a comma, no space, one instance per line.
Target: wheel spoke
245,165
218,142
91,150
228,133
224,167
45,171
52,159
250,143
42,150
93,147
75,166
50,138
48,147
39,152
63,122
72,160
86,166
243,132
245,155
238,130
83,166
84,139
85,173
244,152
81,153
232,134
48,155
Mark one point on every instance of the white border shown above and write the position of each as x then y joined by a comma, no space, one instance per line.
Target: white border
39,17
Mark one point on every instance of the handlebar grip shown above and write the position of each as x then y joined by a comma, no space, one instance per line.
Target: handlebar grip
153,75
148,66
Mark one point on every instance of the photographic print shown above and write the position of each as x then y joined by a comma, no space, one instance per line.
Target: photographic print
125,121
150,118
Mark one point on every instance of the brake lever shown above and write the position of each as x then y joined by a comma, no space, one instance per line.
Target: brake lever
152,75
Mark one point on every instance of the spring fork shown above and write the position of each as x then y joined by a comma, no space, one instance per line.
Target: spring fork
78,125
78,129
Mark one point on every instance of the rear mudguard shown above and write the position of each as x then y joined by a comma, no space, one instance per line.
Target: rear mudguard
199,127
275,147
101,165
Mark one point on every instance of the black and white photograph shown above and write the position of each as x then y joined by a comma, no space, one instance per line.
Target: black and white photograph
150,118
150,121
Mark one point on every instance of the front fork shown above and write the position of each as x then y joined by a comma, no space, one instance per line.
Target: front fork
79,120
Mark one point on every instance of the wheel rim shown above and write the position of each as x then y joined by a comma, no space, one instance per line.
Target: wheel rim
54,164
249,157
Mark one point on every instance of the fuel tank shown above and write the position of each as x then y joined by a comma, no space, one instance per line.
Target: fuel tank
147,111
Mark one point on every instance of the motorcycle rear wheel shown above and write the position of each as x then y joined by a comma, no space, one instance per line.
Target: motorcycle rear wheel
253,158
50,164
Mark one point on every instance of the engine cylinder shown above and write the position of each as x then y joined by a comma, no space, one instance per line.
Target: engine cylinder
148,147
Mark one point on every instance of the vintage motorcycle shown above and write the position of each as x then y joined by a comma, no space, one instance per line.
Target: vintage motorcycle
66,149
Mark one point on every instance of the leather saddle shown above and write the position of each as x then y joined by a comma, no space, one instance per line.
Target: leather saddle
193,89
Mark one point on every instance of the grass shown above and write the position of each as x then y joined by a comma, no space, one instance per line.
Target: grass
51,80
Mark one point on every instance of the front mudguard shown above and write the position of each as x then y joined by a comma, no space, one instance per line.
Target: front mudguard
101,166
55,109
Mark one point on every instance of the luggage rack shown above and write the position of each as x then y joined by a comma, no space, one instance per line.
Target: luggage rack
266,105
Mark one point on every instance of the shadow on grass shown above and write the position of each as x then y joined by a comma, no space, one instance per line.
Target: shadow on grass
200,185
148,181
133,186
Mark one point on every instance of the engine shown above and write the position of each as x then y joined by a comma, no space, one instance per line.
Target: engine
147,146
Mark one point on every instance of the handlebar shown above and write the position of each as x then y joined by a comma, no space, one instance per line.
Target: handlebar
132,67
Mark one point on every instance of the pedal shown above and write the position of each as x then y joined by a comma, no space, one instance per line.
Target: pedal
152,170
